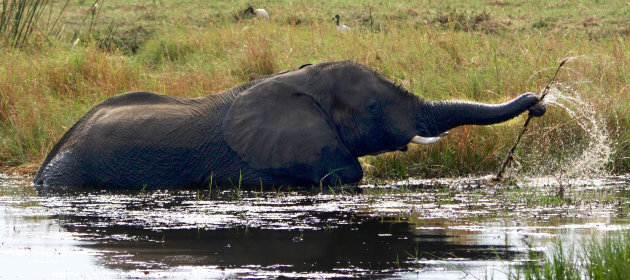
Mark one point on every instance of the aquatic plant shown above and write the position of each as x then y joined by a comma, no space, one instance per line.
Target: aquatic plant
603,257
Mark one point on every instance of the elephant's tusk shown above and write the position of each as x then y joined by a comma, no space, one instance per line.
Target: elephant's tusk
427,140
424,140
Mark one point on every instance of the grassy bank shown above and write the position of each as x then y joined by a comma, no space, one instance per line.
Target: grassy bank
486,51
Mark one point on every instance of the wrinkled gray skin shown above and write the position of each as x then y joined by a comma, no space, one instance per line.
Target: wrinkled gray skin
298,127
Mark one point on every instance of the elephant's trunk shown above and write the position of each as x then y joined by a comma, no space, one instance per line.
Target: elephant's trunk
437,117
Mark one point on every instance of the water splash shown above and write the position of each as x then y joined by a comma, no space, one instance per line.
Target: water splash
598,142
590,143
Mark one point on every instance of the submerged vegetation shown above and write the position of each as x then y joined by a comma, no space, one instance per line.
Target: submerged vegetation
485,51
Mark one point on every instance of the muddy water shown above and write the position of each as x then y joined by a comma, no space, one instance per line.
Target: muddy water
450,229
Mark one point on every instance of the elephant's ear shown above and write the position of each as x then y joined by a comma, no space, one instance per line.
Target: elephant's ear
276,128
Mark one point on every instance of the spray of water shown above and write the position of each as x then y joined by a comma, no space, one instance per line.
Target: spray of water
596,147
584,145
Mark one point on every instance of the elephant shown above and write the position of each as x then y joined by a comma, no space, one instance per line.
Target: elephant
302,127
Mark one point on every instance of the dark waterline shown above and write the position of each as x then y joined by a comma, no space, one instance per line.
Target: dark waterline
396,232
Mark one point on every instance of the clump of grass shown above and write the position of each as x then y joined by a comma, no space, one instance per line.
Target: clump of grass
160,50
544,23
128,42
561,265
609,257
600,258
257,59
467,21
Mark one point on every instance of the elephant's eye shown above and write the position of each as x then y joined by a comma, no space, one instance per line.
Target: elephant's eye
374,108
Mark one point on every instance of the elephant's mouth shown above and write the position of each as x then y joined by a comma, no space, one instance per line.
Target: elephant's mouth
421,140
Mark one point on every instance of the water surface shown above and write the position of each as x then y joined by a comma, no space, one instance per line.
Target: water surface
419,229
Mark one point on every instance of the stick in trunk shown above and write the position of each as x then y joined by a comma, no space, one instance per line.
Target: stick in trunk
510,155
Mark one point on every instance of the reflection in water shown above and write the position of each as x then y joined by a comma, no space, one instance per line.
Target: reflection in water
363,244
377,233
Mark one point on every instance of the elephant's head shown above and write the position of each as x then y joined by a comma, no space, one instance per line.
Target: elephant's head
319,119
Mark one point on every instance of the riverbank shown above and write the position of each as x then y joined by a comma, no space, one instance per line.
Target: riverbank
477,51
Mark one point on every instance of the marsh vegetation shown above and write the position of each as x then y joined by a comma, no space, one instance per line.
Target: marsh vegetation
486,51
600,256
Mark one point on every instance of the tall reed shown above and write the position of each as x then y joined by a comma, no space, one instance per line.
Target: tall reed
20,19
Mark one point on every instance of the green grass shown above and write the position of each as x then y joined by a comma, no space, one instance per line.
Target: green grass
609,258
603,257
485,51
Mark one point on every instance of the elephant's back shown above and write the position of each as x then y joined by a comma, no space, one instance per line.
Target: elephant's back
128,119
86,155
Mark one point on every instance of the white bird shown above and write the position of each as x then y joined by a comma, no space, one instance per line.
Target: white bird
342,27
259,12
